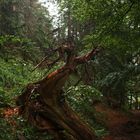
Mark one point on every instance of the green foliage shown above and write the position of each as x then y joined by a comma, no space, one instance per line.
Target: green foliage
5,130
15,74
82,96
113,25
13,46
81,99
20,130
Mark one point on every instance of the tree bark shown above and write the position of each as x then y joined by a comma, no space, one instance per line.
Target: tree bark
43,104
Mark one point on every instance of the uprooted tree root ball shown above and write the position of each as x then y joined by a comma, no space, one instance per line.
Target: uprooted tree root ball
43,104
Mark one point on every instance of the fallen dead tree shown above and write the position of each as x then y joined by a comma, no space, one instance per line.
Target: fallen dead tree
43,103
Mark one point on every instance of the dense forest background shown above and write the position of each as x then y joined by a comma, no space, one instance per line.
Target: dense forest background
104,91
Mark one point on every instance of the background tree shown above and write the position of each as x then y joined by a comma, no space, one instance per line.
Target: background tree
114,25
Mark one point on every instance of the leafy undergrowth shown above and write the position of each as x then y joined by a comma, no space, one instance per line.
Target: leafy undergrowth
14,127
81,99
14,75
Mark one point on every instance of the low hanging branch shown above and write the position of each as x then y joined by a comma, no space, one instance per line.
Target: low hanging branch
43,103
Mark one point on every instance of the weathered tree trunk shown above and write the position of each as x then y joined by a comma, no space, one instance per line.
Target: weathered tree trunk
43,104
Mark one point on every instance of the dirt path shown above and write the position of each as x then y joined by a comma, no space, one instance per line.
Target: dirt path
122,126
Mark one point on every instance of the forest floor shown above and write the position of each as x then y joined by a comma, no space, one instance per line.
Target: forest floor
121,125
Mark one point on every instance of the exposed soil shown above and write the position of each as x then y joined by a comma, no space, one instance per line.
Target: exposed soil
122,126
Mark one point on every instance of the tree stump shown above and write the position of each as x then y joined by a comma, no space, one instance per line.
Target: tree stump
43,104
